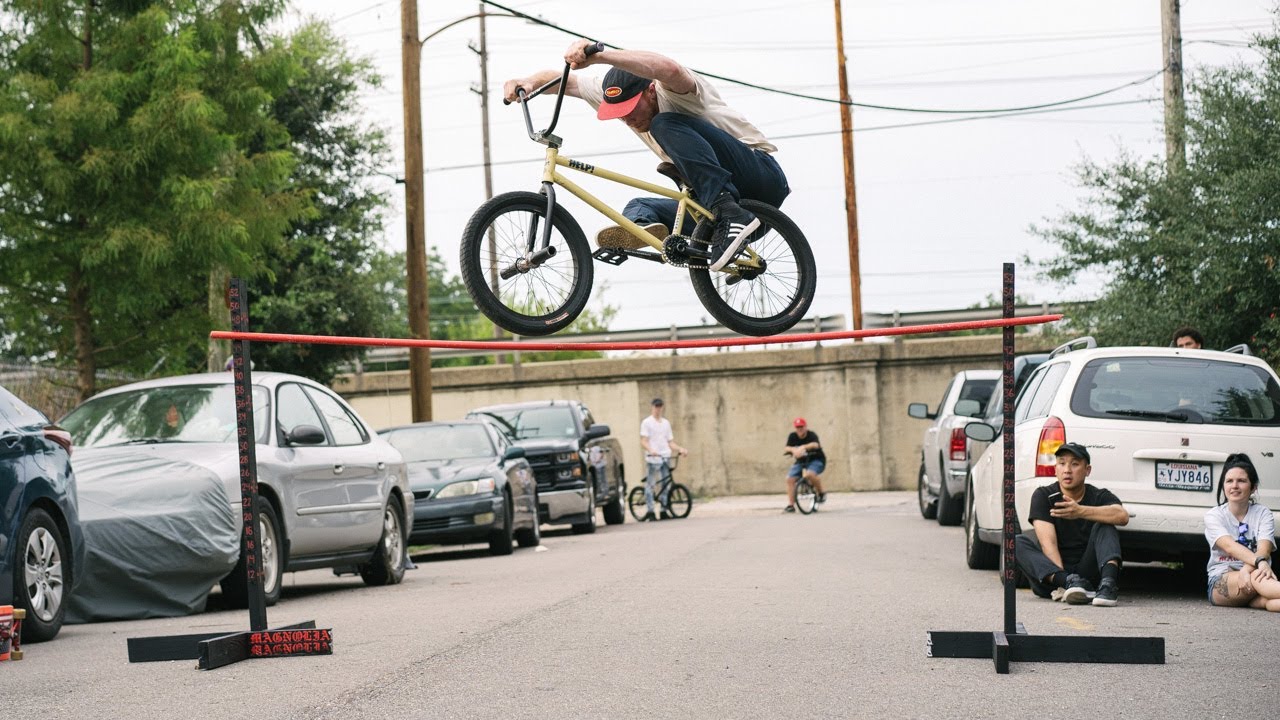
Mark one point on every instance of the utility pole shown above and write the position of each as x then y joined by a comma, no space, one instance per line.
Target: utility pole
483,92
415,217
1175,129
850,189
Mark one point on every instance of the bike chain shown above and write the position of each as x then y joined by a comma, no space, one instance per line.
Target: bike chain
670,257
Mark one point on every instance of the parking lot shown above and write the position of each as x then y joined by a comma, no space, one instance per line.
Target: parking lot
737,611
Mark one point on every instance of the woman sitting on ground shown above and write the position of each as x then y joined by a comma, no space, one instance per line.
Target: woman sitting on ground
1241,535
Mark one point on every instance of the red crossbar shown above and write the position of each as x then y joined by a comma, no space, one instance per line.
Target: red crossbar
543,346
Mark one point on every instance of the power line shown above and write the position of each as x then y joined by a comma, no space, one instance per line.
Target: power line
870,106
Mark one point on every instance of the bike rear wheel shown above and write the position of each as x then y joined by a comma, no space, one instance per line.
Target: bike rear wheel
806,497
636,503
679,501
538,300
768,301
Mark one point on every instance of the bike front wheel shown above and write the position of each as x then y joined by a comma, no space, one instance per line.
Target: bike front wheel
635,502
806,497
768,300
679,501
535,299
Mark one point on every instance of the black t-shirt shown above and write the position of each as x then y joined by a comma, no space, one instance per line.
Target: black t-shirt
1073,535
794,440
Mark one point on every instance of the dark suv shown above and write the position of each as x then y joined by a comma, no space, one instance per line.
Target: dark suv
577,464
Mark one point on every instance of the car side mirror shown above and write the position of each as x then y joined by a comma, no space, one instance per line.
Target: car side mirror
920,411
968,408
305,435
596,431
980,431
513,452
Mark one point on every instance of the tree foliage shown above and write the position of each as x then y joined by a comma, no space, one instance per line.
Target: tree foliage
1192,247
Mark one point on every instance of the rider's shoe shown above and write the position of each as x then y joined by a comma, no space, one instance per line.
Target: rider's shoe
649,516
822,497
733,227
789,508
616,236
665,515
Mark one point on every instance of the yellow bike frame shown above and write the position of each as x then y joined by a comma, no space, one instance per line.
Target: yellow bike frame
686,203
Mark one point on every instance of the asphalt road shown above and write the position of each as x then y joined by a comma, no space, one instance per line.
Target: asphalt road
737,611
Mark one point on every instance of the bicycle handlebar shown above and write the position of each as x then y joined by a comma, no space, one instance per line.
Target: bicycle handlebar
523,98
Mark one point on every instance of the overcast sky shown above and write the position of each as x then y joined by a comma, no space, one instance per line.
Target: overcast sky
940,206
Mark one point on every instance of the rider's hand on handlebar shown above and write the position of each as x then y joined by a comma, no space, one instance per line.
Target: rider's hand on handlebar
576,56
509,89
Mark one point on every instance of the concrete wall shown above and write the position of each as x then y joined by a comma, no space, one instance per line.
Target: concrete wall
733,410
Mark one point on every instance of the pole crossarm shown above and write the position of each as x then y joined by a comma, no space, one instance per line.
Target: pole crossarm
524,346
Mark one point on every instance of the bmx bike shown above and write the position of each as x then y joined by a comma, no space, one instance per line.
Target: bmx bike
527,264
670,496
806,495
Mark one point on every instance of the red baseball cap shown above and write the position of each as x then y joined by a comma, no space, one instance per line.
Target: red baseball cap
799,422
622,91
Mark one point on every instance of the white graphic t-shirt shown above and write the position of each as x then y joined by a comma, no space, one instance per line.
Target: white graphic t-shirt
1219,521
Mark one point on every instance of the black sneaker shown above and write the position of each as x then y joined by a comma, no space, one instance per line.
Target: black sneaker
789,508
648,517
665,515
1078,590
733,226
822,497
1108,592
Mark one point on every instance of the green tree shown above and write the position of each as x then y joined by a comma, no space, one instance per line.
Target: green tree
1198,246
138,152
320,277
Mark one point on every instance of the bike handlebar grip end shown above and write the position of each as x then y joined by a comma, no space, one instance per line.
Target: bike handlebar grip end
593,48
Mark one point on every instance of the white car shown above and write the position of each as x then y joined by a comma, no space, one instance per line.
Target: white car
1158,423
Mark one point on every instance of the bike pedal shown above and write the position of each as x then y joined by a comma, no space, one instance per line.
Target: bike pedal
609,255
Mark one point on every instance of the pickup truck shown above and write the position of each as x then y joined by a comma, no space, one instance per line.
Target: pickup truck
944,450
576,462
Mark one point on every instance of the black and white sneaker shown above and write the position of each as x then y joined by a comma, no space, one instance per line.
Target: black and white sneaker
1108,593
1078,590
789,508
733,227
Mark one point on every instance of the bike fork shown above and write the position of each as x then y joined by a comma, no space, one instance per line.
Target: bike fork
533,238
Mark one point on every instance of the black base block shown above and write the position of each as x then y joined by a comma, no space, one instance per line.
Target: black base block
184,647
1020,647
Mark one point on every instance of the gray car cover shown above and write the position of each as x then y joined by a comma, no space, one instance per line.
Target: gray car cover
160,534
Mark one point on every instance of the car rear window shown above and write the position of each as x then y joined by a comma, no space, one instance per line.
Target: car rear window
979,391
1175,389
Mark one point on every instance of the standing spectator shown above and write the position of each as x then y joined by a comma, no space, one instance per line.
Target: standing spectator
1073,542
1241,535
806,450
1188,338
658,441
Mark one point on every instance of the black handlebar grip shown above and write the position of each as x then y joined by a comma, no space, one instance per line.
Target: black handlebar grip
519,93
593,49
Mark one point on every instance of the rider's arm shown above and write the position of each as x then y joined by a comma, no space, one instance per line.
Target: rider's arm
536,81
670,73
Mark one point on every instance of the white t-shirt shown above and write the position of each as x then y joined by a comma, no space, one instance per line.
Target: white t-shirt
703,101
1219,521
658,432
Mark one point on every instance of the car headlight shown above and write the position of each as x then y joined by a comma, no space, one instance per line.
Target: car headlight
566,457
466,487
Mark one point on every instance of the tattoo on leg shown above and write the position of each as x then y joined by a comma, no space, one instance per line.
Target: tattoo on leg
1220,586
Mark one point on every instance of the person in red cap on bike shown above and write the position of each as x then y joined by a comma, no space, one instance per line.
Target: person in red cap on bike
810,461
682,118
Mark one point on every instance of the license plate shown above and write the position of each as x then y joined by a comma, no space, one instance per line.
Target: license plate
1197,477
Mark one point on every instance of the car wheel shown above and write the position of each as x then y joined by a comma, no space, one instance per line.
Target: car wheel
530,536
588,527
614,512
500,541
235,588
949,509
978,555
928,507
40,576
387,565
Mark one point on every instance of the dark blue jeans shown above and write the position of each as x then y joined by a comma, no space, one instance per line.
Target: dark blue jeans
712,161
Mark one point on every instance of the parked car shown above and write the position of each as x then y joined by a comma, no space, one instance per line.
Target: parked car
160,492
42,551
944,450
470,484
1158,423
576,463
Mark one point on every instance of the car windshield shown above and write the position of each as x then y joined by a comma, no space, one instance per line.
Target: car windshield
170,414
1189,390
441,442
541,422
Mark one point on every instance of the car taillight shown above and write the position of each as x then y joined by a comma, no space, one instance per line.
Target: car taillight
60,436
959,444
1051,438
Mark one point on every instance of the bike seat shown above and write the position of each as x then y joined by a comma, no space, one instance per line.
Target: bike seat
670,170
